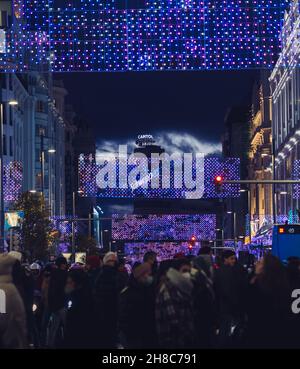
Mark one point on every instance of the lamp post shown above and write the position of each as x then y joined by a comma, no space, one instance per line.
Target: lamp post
244,190
234,225
2,105
222,235
73,222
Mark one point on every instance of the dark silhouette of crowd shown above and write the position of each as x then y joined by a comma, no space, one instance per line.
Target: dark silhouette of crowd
187,302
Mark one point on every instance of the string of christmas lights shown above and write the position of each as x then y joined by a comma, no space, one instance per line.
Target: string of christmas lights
12,180
171,227
119,35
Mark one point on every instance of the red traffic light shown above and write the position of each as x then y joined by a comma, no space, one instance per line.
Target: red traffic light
218,179
190,247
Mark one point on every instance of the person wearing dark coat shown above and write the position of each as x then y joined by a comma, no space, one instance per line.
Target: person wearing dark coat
57,299
137,310
230,285
271,323
106,295
204,307
79,325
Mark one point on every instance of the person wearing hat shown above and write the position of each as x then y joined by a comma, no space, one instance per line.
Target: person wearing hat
12,314
137,310
106,292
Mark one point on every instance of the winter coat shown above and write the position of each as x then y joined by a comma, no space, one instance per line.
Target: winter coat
137,315
13,320
79,327
56,291
230,285
204,310
174,312
106,294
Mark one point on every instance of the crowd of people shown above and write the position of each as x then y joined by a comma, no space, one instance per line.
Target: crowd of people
186,302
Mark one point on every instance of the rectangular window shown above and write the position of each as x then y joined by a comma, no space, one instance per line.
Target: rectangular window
11,151
40,106
11,115
4,145
4,19
4,114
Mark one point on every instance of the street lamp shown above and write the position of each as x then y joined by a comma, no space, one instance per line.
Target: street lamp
73,220
10,103
51,151
244,190
234,225
222,234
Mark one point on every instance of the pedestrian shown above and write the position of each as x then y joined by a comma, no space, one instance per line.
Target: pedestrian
174,313
45,302
12,314
151,258
79,323
56,301
93,266
269,307
230,284
107,289
204,301
137,310
204,261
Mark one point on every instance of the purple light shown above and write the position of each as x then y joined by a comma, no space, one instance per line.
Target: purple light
229,168
116,35
12,181
163,227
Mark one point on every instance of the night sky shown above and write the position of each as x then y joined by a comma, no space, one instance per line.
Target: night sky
120,106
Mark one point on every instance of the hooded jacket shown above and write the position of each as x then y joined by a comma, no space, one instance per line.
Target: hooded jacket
13,318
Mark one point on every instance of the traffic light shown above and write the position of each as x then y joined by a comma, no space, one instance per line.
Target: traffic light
218,183
192,243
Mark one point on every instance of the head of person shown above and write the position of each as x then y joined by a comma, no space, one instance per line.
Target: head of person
76,279
150,257
110,259
35,269
93,262
61,263
183,266
142,274
271,275
229,258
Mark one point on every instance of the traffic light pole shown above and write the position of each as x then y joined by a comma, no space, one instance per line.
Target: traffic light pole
265,181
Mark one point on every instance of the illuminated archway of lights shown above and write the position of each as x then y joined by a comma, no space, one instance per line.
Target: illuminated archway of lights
144,35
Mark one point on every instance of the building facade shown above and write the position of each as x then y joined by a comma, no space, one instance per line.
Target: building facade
285,84
235,143
33,129
260,153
